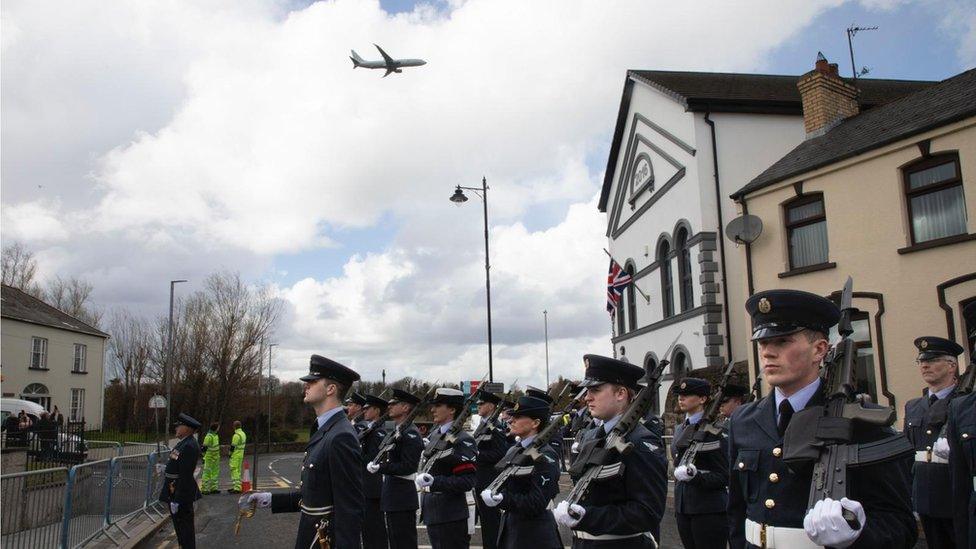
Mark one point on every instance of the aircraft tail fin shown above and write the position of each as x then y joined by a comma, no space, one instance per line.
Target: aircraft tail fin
356,60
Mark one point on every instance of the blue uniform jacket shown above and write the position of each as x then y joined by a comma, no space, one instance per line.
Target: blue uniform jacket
332,476
930,481
527,521
707,491
372,482
454,475
399,493
962,462
764,489
492,446
179,486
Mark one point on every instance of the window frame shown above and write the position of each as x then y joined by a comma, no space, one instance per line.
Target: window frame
81,368
630,294
42,361
790,226
664,254
922,165
686,282
77,413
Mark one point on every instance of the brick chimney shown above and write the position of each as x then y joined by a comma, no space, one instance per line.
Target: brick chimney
827,100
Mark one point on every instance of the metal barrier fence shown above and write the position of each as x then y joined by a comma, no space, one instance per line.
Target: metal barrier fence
84,502
33,504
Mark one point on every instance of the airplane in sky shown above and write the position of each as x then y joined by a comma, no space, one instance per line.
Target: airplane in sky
388,63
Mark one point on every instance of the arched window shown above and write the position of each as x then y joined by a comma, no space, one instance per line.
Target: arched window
650,363
667,290
621,321
37,392
680,364
631,300
686,291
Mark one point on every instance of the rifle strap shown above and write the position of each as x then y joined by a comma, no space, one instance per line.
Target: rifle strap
880,451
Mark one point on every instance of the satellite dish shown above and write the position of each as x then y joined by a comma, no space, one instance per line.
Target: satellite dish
744,229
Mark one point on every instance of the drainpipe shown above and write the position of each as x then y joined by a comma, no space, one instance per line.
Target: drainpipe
751,286
721,237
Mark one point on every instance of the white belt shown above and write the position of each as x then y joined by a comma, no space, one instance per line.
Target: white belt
777,537
405,477
928,456
602,537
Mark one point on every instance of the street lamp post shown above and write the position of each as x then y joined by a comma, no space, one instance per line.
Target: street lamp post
270,346
545,320
169,357
459,198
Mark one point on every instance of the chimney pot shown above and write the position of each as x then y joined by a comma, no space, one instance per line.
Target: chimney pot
827,99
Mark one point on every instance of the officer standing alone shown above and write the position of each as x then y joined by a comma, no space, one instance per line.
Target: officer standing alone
374,526
330,496
701,488
237,443
924,418
492,446
180,489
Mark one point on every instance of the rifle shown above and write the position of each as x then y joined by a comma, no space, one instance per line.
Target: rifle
756,392
489,423
364,434
594,459
522,461
391,438
442,447
825,433
709,422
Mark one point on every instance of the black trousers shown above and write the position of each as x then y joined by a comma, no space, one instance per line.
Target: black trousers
707,531
183,524
939,532
490,519
401,527
374,525
449,535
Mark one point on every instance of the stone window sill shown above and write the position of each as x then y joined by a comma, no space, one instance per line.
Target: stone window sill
808,269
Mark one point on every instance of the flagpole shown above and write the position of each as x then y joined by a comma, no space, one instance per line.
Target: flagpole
634,282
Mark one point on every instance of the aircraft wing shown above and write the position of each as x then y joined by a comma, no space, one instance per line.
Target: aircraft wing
386,56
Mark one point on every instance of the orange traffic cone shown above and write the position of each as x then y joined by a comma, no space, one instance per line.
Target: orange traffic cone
246,478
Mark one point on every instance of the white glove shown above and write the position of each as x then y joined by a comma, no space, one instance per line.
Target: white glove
825,524
160,468
174,507
424,480
574,448
562,514
372,467
491,500
263,499
941,448
685,473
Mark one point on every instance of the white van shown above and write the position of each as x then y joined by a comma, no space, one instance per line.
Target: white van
13,406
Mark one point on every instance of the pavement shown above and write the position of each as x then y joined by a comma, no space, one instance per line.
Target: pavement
216,514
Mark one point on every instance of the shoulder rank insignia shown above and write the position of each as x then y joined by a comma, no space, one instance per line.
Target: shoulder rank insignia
467,443
544,479
651,447
411,435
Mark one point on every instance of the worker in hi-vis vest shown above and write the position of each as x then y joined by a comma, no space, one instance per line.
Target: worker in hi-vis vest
236,457
211,460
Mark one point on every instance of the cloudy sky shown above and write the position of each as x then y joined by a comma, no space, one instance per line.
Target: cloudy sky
153,140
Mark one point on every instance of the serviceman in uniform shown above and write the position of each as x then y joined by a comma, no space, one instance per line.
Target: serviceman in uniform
623,510
374,525
330,495
443,504
924,419
768,499
180,489
492,446
526,499
701,488
237,443
960,448
354,410
732,397
557,442
211,460
399,500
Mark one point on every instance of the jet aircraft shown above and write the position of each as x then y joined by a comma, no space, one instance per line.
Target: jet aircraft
388,63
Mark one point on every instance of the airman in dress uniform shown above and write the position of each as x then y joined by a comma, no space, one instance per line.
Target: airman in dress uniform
354,410
556,442
924,418
180,489
732,397
443,503
767,499
700,489
374,525
492,446
526,499
960,449
622,510
330,496
399,500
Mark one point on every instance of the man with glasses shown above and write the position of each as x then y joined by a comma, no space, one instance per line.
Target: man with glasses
924,418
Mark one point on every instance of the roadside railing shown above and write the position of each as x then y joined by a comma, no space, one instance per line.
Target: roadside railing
33,506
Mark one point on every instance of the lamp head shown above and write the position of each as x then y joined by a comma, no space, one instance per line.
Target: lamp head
458,197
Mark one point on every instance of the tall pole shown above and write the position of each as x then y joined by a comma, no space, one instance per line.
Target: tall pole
168,371
484,190
270,346
257,416
545,319
850,47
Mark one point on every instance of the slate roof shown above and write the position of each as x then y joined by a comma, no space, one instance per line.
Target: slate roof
19,305
949,101
736,92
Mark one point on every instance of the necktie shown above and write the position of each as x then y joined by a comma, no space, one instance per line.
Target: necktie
785,414
933,398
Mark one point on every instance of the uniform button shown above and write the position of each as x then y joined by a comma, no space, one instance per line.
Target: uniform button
742,465
310,465
965,435
773,477
777,452
929,448
770,504
928,431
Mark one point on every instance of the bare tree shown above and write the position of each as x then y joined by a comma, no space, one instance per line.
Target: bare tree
130,354
72,296
20,268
